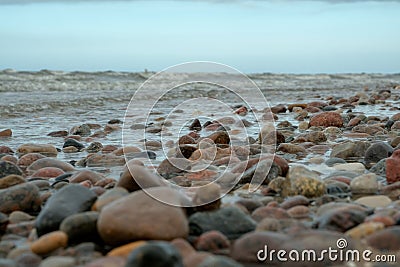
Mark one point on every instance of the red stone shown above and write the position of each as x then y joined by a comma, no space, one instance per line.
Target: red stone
313,109
48,172
212,241
317,104
327,119
353,122
393,167
28,159
241,111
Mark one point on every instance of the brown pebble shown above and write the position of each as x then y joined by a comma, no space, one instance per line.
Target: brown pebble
299,211
49,242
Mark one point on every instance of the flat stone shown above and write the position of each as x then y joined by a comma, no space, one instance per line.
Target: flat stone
45,149
354,166
49,162
374,201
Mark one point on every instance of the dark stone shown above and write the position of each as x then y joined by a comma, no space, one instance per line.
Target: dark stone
195,125
115,121
81,227
341,220
220,138
279,109
58,134
82,130
329,108
171,167
377,152
335,189
94,147
389,124
74,143
155,254
230,221
185,151
3,223
23,197
69,200
7,168
64,176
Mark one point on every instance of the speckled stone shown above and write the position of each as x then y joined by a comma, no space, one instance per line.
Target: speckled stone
8,168
365,229
23,197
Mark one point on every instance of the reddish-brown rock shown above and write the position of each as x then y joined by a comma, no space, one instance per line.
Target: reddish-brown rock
353,122
6,133
28,159
212,241
393,167
84,175
327,119
139,216
48,172
6,150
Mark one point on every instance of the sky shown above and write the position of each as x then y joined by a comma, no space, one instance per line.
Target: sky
280,36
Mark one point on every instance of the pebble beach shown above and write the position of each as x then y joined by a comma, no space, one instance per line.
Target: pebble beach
83,167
